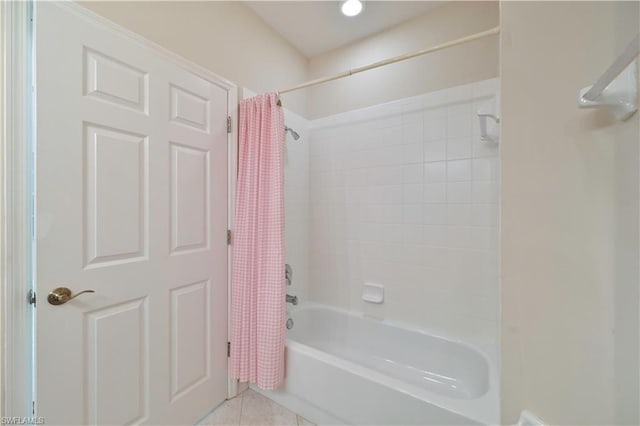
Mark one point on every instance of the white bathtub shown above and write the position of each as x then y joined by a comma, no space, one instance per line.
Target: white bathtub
348,369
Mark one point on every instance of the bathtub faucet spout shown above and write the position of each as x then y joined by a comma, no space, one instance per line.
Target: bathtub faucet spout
292,299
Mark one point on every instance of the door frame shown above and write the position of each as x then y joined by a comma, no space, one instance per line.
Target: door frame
16,209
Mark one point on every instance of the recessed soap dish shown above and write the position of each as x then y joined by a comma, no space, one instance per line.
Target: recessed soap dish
373,293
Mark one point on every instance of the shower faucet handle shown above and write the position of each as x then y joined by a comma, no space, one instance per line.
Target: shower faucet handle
288,273
292,299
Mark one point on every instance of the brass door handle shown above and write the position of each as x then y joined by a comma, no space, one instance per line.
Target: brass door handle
61,295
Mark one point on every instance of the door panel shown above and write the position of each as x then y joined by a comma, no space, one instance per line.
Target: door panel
116,335
131,201
114,81
189,198
189,337
116,195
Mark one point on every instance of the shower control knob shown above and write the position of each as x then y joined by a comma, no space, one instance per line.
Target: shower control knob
288,273
288,270
292,299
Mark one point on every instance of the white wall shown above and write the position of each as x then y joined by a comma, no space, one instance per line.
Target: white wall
226,37
569,218
451,67
405,195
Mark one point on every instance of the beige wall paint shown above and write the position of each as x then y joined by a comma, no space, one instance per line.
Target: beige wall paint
569,218
451,67
226,37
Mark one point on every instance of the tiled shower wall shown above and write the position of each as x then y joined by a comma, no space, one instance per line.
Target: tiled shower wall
296,198
405,195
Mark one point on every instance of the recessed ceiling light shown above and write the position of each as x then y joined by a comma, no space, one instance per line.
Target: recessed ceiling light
351,7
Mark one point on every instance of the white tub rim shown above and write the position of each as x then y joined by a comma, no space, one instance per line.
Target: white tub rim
484,348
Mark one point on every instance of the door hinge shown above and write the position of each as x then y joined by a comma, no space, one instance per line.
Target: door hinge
228,349
31,298
228,124
33,408
228,237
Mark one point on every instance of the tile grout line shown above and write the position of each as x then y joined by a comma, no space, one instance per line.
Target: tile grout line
241,406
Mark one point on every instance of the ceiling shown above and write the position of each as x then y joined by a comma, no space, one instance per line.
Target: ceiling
316,27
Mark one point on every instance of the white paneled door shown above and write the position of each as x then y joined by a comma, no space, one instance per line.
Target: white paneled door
131,202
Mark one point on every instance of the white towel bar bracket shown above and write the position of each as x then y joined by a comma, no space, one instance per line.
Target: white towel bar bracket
617,88
621,95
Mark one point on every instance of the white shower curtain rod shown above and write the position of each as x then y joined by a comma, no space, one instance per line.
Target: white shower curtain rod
446,45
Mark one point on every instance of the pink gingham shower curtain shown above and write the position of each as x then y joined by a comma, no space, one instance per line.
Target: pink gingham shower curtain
258,288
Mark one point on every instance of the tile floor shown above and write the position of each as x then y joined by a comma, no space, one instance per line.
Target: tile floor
252,409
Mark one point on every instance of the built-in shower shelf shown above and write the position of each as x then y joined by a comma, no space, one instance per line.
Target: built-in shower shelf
617,88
